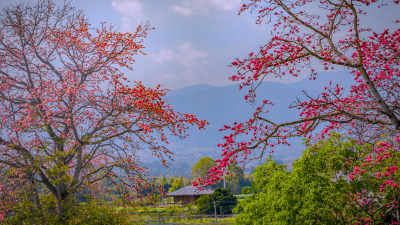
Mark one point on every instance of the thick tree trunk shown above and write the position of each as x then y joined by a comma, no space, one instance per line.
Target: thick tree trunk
62,208
62,211
35,196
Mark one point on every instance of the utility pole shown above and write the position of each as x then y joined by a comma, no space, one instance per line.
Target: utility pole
215,212
224,180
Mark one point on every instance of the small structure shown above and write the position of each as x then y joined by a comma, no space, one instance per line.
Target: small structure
188,194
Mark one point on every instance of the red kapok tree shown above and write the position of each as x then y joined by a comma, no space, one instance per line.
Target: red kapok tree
68,120
330,33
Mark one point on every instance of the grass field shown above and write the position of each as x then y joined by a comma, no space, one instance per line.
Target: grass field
174,214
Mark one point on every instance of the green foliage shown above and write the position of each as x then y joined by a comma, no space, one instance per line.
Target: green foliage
172,214
26,212
202,166
97,212
264,204
236,179
315,191
205,205
224,200
91,212
163,181
178,182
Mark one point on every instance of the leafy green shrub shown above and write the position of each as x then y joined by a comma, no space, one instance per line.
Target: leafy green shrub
95,212
90,212
224,200
318,189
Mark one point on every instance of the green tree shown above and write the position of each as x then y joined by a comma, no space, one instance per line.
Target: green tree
178,182
224,200
318,189
263,206
68,118
164,182
93,211
202,166
236,180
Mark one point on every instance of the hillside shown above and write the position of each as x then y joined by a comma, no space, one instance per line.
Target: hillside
224,105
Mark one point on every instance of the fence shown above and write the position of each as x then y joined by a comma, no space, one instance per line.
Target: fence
187,219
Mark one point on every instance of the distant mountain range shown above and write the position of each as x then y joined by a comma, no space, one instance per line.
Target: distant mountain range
224,105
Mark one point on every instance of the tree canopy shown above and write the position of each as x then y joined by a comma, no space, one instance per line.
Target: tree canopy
68,117
333,36
222,201
318,189
202,166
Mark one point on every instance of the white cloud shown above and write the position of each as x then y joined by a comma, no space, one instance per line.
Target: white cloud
191,7
187,56
131,11
227,5
182,10
190,57
164,55
191,61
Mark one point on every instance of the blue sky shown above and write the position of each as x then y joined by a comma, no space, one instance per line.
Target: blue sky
193,41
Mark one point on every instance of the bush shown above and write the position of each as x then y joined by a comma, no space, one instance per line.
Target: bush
91,212
319,190
224,200
96,212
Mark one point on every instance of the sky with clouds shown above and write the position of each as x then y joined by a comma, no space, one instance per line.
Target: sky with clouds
194,41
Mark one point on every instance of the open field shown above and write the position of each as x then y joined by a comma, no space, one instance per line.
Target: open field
174,214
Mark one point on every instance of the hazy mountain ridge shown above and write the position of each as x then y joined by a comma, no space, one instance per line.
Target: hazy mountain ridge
225,105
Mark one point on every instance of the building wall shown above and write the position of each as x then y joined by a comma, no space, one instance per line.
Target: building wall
185,199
